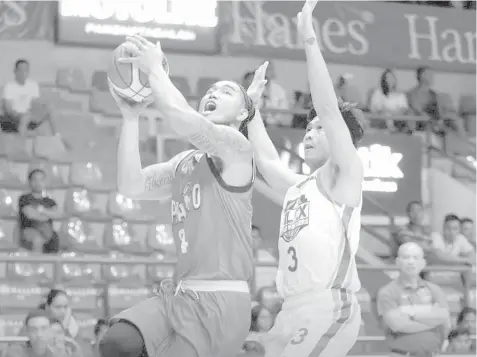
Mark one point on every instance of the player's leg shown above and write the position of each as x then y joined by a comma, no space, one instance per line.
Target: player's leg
329,332
146,326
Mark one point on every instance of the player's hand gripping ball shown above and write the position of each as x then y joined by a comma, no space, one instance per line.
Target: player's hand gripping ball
126,78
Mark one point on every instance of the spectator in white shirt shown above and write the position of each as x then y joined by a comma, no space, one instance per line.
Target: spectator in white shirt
275,97
451,247
387,100
18,99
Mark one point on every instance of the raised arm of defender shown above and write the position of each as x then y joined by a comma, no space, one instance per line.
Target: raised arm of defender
344,155
277,175
217,140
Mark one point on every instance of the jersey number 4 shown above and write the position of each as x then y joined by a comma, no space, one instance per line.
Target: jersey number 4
294,264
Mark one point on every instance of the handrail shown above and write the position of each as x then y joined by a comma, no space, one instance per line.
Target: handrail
454,159
149,261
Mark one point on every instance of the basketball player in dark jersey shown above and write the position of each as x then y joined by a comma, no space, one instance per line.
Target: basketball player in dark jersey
205,312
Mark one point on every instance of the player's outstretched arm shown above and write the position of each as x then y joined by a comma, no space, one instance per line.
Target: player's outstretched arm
150,183
217,140
343,153
274,172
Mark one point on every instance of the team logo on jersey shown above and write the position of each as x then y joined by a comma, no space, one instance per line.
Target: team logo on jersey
188,166
295,217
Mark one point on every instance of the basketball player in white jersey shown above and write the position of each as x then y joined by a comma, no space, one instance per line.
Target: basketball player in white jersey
320,222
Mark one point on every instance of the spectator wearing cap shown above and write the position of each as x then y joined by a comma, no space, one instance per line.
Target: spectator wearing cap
416,230
414,311
36,214
388,101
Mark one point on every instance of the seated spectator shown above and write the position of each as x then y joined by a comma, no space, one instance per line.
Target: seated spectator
275,97
99,330
36,214
459,341
18,98
415,231
466,319
414,311
57,328
388,101
451,247
302,103
57,305
467,230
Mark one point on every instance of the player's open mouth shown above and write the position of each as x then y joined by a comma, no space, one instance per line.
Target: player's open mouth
308,146
209,106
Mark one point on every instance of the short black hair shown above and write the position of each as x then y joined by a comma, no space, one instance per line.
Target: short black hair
412,203
20,61
465,311
459,331
37,313
53,294
254,227
34,171
100,323
451,217
466,220
420,71
353,117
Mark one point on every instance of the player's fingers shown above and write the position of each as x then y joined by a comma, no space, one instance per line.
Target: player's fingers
142,40
131,49
311,4
158,45
136,42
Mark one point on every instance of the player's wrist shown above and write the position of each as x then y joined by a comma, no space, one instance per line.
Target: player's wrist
310,40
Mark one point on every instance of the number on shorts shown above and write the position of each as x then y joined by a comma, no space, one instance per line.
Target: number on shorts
184,244
292,252
299,336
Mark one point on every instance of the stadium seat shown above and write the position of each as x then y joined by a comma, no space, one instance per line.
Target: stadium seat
204,84
446,105
127,238
160,239
83,236
31,272
85,204
51,148
11,324
56,174
122,297
100,81
17,148
103,103
159,272
124,207
13,175
79,274
7,205
93,176
182,84
18,295
126,274
71,79
8,235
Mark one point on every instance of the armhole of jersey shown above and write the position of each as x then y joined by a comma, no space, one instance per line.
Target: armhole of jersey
236,189
192,152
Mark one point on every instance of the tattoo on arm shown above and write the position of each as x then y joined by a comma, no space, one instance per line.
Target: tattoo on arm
155,180
218,140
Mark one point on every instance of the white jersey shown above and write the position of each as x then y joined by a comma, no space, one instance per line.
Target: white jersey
318,241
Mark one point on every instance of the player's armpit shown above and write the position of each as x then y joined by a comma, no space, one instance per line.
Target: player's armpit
156,181
278,177
348,185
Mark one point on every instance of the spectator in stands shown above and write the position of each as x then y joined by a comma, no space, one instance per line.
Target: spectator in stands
414,311
451,247
57,304
415,231
459,341
18,98
36,214
345,91
303,103
467,230
388,101
247,79
466,319
99,330
275,97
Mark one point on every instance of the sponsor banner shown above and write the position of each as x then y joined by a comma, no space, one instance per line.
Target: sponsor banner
392,166
355,32
27,20
180,25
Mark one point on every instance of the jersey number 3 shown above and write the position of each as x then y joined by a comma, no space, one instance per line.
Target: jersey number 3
292,253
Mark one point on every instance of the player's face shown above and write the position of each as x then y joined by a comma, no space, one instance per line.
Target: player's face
315,145
224,104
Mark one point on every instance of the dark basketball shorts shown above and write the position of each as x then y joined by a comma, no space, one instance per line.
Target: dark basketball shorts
191,323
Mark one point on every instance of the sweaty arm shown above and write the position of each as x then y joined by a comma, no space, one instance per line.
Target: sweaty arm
344,155
217,140
278,176
150,183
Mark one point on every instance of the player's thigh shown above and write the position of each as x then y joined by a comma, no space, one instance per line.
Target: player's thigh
283,330
150,317
180,347
337,326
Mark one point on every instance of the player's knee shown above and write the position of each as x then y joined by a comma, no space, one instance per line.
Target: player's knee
121,340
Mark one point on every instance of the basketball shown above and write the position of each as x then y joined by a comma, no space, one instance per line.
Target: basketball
127,80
